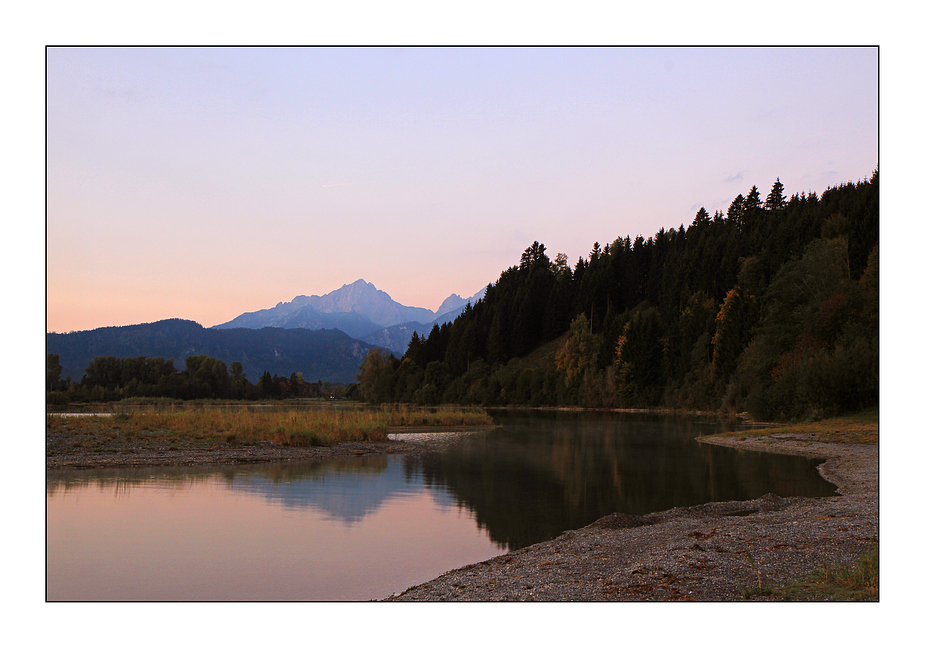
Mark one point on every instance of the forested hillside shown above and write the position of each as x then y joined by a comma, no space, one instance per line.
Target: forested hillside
770,307
327,355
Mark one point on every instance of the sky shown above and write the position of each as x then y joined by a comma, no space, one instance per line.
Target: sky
205,182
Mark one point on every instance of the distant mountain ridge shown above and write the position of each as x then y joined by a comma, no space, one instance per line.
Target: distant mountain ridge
396,338
451,303
358,309
324,337
328,356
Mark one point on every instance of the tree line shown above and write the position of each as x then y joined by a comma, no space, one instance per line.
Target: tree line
108,378
771,307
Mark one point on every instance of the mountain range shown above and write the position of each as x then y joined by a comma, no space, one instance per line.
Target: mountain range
358,309
323,337
328,356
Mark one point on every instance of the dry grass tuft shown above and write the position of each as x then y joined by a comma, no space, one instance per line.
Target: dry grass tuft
862,428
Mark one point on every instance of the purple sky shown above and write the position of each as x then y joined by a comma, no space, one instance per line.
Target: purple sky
203,183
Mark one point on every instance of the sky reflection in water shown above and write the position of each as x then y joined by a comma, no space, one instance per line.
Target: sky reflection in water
351,531
368,527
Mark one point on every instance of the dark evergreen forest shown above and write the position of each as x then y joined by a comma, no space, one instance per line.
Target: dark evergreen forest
770,308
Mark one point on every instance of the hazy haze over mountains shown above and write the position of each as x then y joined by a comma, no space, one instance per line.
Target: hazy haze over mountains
324,337
454,302
329,356
358,309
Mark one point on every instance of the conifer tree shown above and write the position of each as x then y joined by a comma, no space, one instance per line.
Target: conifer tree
736,212
775,200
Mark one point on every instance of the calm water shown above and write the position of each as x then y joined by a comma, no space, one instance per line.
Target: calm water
365,528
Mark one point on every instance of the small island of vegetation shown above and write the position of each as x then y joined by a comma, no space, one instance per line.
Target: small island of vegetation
143,425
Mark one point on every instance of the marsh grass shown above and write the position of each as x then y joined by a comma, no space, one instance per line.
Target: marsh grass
223,424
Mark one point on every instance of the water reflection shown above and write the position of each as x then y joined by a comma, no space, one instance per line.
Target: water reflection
347,489
367,527
350,530
546,472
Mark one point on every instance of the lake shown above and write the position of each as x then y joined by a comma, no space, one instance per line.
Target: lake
365,528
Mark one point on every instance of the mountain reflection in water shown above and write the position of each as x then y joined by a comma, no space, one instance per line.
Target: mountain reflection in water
352,530
366,527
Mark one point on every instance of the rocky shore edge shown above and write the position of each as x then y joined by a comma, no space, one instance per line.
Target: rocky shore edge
712,552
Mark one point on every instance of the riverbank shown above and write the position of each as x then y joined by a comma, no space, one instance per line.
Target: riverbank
229,436
65,451
721,551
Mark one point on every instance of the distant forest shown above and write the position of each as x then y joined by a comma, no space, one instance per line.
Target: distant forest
770,308
108,378
137,361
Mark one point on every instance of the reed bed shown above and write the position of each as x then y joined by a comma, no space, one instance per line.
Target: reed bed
289,426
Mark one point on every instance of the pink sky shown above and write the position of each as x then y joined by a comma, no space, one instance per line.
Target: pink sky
207,182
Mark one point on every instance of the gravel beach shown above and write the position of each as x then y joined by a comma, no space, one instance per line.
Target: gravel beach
700,553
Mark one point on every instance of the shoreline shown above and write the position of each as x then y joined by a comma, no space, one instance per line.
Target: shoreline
402,440
708,552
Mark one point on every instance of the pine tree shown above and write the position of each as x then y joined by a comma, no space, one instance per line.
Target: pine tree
775,200
753,209
736,212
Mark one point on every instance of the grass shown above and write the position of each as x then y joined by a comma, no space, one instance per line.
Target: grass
224,424
859,582
862,428
402,415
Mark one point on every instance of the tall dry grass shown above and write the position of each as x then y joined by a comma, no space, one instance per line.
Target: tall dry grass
236,425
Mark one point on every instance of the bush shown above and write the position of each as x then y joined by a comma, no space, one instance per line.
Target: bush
830,381
56,401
